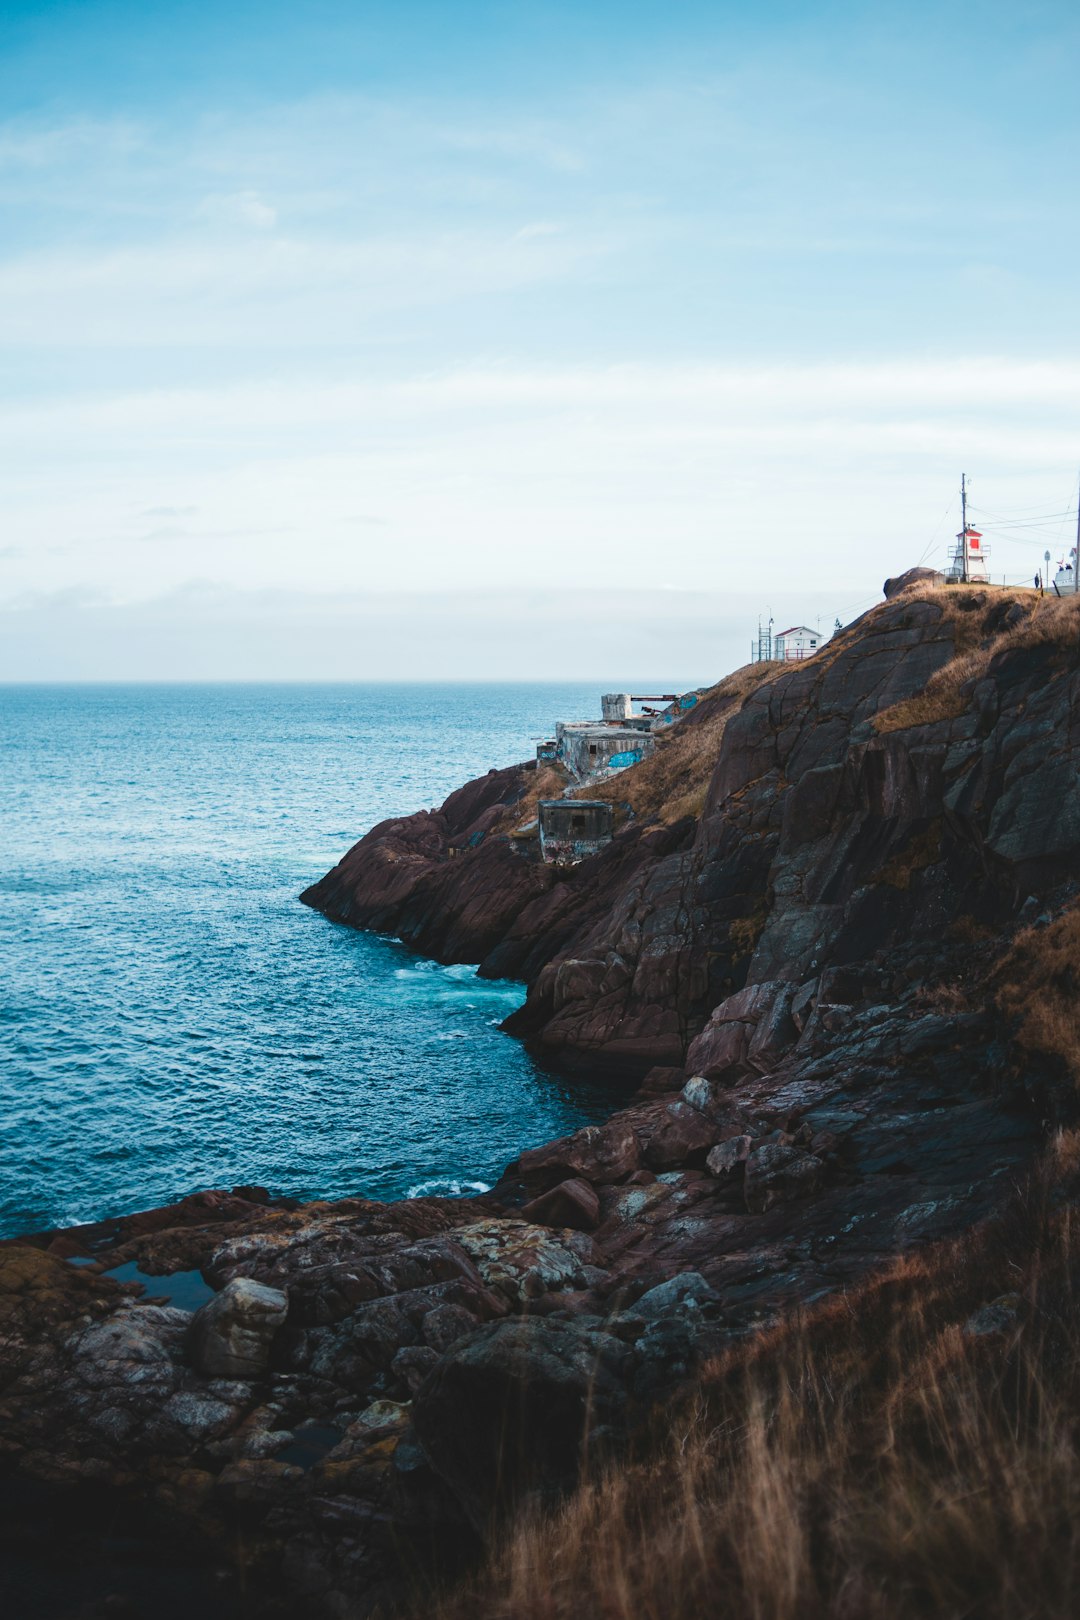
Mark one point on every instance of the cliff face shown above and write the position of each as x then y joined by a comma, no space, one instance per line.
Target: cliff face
918,775
847,890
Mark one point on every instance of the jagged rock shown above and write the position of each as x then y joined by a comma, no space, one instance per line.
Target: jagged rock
716,1100
231,1334
446,1325
747,1031
674,1134
688,1289
727,1157
412,1365
777,1172
522,1261
599,1154
515,1408
572,1203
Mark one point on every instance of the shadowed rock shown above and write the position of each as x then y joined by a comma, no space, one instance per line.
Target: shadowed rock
231,1335
515,1409
572,1203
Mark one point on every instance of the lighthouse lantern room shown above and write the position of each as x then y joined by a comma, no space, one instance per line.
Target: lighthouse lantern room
967,560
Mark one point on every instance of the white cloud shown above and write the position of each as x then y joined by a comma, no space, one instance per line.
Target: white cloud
740,478
239,208
264,289
35,145
541,227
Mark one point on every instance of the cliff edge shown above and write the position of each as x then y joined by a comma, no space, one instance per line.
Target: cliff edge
918,776
835,936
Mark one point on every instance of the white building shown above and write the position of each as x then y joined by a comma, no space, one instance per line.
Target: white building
797,643
967,559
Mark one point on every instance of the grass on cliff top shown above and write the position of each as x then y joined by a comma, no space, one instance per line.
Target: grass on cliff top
674,780
876,1460
1044,620
547,782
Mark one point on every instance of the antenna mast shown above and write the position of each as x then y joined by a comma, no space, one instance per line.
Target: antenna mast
963,524
1076,551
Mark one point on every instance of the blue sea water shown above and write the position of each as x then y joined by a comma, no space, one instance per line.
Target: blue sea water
171,1018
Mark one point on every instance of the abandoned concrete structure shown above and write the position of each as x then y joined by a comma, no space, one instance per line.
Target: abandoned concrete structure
616,706
586,747
571,829
622,737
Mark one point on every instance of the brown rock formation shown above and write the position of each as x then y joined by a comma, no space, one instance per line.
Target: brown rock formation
919,772
887,830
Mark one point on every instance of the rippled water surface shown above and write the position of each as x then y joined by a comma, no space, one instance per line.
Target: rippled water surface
172,1018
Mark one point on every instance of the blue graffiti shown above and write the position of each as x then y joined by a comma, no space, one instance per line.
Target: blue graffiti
631,756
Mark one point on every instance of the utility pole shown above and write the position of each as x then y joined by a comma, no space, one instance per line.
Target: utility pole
963,524
1076,552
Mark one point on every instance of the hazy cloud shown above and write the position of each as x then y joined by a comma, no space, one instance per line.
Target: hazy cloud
203,630
240,208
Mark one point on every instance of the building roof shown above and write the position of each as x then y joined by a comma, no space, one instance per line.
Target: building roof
794,631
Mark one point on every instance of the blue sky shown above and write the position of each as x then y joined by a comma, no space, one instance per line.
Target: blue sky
317,318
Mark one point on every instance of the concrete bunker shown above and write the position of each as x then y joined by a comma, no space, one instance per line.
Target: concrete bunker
571,829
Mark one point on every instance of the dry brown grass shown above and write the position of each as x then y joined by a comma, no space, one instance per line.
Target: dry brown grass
674,781
1047,620
872,1461
547,782
1039,986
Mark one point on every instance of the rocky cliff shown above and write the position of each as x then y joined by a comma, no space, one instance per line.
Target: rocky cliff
815,935
918,775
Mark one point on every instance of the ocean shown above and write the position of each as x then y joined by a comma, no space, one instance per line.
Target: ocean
171,1018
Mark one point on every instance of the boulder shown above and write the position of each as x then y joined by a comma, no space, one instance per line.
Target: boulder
521,1261
231,1335
518,1408
688,1291
675,1134
715,1100
572,1203
747,1031
912,576
599,1153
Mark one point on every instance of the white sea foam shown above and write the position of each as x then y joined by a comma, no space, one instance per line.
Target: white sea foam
447,1187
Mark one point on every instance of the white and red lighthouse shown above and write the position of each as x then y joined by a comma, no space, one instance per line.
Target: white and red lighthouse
967,560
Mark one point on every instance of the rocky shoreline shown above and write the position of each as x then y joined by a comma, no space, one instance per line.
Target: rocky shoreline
801,976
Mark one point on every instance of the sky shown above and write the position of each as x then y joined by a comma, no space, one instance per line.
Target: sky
346,340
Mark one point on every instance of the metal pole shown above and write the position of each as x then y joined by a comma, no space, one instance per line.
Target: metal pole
963,523
1076,553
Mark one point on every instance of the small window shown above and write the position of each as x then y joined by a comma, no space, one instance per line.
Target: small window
592,748
813,644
